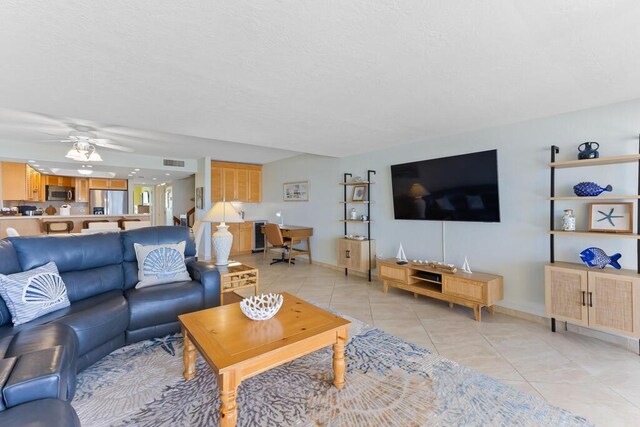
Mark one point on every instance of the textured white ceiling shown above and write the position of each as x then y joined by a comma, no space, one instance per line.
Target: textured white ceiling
325,77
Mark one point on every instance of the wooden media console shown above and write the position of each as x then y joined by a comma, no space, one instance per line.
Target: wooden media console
474,290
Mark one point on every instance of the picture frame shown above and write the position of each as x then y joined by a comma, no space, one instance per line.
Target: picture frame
359,193
615,217
296,191
199,202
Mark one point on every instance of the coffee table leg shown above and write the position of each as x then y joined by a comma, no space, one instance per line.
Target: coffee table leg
188,356
228,385
338,359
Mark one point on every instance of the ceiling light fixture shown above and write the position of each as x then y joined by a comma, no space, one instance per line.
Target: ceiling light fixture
32,161
82,151
137,170
84,172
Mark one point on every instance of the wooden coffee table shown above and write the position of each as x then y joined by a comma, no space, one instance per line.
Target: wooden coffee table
237,348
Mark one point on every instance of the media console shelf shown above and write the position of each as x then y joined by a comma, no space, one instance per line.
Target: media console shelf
474,290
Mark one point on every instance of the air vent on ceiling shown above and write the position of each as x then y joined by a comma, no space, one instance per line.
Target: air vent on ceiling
174,163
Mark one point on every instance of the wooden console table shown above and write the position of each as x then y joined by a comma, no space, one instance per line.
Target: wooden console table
474,290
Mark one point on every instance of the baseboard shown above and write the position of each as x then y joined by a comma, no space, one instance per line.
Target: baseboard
351,272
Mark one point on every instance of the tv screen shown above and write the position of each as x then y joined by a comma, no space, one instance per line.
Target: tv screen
458,188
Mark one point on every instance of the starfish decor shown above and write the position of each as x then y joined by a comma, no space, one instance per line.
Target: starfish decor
609,217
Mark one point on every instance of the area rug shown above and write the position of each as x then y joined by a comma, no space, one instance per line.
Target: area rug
390,382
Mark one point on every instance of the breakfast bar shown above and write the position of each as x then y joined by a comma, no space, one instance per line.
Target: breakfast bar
36,225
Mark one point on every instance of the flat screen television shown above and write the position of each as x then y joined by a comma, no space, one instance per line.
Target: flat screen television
457,188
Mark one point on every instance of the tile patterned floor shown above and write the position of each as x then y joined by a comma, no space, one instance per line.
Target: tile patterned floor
587,376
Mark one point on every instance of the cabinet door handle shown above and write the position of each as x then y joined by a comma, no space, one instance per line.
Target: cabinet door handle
348,255
583,298
590,299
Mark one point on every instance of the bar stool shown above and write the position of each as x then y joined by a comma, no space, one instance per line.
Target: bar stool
85,224
58,226
121,222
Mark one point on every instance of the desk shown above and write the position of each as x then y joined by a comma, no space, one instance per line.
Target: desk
297,233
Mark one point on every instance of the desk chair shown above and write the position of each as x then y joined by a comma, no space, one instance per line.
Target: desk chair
275,239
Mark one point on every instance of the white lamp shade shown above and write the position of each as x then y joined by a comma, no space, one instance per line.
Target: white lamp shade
222,212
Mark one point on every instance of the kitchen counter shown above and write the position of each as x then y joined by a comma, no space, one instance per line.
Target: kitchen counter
85,216
33,225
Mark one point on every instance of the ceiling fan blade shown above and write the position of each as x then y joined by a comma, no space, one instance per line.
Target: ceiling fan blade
107,144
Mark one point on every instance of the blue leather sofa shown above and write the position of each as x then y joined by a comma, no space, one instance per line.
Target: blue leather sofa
39,360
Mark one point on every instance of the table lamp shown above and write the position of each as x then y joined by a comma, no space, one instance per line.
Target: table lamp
279,215
222,212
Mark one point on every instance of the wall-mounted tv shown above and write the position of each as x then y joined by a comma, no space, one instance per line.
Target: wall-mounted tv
457,188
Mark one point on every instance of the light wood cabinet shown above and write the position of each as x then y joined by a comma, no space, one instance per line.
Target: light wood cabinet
60,181
354,254
107,184
242,237
33,185
236,182
82,190
475,290
605,300
14,181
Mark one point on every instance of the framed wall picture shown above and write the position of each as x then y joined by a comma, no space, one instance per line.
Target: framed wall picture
611,217
359,193
297,191
199,203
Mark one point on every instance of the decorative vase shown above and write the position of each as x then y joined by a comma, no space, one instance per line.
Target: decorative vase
568,220
586,150
222,242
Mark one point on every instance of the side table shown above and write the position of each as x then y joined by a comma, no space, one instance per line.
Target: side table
236,276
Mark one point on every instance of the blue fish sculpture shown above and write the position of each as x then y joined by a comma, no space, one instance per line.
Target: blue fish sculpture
589,189
596,257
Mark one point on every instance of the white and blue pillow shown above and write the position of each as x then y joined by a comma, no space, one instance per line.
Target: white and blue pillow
158,264
34,293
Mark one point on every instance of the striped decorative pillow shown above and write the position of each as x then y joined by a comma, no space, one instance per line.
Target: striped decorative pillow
33,293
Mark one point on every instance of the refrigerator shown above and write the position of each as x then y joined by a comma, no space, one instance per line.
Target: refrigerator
108,202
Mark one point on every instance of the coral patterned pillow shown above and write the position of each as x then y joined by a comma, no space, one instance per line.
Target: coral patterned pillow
159,264
33,293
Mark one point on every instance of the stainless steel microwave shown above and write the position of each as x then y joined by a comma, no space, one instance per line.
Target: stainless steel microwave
61,194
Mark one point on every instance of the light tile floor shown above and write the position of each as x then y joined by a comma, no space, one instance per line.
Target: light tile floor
587,376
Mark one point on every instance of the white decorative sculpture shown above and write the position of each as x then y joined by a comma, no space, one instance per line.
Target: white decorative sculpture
400,256
465,266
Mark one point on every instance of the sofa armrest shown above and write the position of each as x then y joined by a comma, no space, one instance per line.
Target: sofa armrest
207,274
6,366
37,375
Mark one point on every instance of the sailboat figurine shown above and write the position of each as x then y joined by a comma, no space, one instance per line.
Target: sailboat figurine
465,266
400,256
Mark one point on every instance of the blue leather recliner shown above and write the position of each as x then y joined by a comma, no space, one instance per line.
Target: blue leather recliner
39,359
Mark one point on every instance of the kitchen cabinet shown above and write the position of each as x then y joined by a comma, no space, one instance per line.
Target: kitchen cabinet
236,182
607,300
242,237
82,190
60,181
21,182
107,184
14,182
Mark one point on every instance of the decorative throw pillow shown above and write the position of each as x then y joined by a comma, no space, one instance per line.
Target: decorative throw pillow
33,293
159,264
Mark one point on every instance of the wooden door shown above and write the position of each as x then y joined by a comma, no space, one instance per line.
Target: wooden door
32,177
246,237
613,302
565,293
255,186
14,181
118,184
242,185
235,230
217,191
229,179
82,190
98,183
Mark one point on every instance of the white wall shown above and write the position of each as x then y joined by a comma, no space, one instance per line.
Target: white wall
518,246
184,192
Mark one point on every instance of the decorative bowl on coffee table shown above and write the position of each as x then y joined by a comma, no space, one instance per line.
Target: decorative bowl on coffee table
261,307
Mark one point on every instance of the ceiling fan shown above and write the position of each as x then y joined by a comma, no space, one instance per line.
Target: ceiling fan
84,146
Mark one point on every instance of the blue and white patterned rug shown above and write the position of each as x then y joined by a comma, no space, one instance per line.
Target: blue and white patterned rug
390,382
